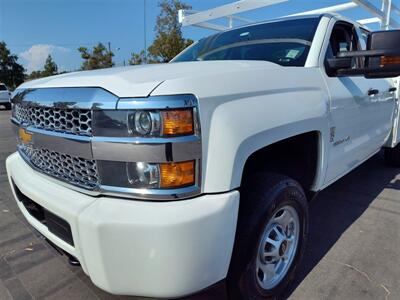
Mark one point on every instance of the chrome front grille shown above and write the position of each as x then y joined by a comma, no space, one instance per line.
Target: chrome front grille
74,170
74,121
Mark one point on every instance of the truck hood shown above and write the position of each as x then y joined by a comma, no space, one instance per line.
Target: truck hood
140,81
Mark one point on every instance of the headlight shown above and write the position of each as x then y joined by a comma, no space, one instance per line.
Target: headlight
162,176
162,123
143,175
152,176
149,147
144,123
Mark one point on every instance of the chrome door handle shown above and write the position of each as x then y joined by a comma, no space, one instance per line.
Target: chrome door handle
373,92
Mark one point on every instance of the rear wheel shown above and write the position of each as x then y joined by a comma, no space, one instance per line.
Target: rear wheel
392,156
7,106
271,237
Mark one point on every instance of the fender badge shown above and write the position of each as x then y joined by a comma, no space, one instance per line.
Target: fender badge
24,136
339,142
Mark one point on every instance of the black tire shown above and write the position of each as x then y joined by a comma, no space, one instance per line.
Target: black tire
261,197
7,106
392,156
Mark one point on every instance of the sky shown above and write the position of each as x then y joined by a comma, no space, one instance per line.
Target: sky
33,29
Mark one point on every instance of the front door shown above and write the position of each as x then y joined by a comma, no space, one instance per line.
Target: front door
361,109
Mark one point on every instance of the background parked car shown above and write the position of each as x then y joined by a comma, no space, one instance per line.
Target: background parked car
5,96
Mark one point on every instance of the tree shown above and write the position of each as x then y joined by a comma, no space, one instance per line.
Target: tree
35,75
50,67
169,40
11,72
98,58
137,58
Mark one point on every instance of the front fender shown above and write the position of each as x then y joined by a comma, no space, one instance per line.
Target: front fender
243,111
240,128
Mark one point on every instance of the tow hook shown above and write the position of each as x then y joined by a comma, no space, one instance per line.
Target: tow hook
73,261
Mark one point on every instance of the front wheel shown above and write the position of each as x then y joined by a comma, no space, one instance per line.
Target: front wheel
271,237
7,106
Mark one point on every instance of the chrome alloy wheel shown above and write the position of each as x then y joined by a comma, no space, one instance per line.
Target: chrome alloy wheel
277,247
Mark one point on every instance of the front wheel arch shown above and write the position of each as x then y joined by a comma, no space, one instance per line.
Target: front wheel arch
299,157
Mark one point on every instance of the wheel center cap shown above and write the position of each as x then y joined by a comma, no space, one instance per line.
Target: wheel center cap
283,248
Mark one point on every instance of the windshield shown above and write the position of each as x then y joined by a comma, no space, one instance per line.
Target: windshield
286,43
3,87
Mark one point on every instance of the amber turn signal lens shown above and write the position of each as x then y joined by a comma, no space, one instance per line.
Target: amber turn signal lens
390,60
177,122
175,175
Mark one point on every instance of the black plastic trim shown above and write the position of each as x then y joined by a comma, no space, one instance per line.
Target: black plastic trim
56,225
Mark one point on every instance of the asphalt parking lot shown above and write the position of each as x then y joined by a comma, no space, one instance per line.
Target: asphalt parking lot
353,250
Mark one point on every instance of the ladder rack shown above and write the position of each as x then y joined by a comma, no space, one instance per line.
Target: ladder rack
384,15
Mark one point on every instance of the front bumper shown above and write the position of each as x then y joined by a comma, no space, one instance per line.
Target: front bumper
153,249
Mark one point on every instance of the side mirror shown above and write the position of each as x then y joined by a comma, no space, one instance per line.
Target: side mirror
382,57
387,64
334,66
338,63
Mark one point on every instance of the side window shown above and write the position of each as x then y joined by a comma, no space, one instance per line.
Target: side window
343,38
340,40
362,38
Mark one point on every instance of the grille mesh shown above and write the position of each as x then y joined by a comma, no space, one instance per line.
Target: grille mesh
74,170
74,121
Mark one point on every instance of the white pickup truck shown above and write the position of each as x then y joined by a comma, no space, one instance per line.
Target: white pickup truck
162,180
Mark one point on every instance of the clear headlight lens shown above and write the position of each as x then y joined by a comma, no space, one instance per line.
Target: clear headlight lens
143,122
143,175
